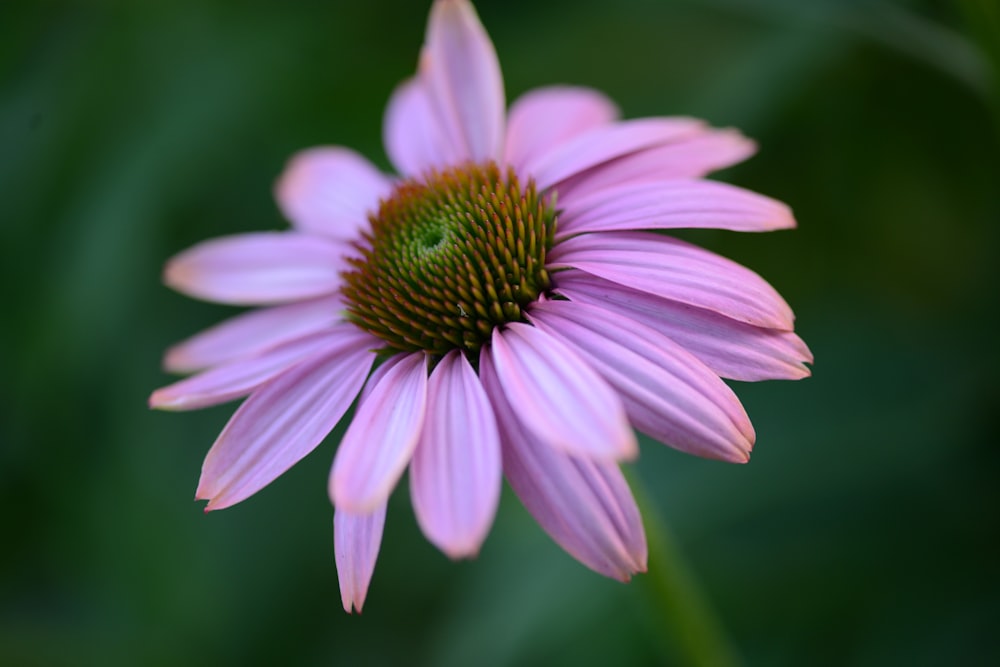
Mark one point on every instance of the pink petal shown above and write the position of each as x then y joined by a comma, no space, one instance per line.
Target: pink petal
602,144
668,394
672,204
693,156
251,333
584,505
455,473
413,138
732,349
356,542
381,438
331,191
460,69
559,397
238,378
284,420
543,118
676,270
258,268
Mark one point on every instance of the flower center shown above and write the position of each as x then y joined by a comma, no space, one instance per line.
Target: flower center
449,258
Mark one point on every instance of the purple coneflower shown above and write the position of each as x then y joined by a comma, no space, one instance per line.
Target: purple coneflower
500,309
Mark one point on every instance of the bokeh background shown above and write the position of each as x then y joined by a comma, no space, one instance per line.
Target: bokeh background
864,530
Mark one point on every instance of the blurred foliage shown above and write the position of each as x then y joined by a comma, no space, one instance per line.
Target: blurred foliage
862,533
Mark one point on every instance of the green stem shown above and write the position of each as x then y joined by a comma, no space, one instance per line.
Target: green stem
679,607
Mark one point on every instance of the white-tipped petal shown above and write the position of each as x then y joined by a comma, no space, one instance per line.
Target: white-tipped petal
542,119
670,205
732,349
461,72
357,539
583,504
668,394
603,144
284,420
676,270
691,156
455,473
238,378
380,440
331,191
250,333
412,134
559,397
259,268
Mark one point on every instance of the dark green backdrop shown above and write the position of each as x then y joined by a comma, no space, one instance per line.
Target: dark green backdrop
862,533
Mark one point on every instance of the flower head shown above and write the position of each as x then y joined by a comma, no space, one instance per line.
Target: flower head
504,307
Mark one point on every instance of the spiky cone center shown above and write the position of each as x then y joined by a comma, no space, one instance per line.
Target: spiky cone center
450,257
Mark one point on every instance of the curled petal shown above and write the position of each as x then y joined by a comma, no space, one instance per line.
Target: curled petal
676,270
692,156
330,191
668,393
561,400
672,204
602,144
543,118
459,66
356,542
284,420
260,268
583,504
381,438
732,349
455,473
240,377
250,333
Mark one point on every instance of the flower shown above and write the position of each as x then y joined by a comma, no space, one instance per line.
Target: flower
505,307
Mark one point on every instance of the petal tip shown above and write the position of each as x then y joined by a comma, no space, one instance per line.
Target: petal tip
203,492
784,218
629,448
465,550
175,274
177,360
219,502
352,606
153,400
159,400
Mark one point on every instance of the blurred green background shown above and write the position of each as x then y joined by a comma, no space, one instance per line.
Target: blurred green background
864,530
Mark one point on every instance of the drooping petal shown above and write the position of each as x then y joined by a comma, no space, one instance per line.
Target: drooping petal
240,377
676,270
455,473
604,143
692,156
260,268
284,420
730,348
461,72
559,397
543,118
381,438
583,504
250,333
330,191
412,135
668,394
672,204
357,539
